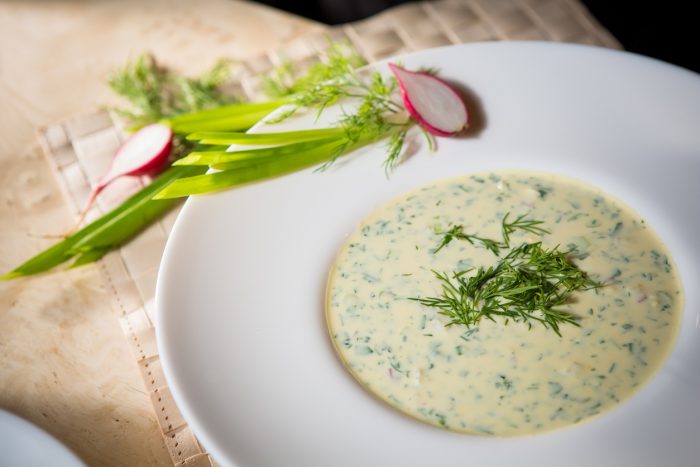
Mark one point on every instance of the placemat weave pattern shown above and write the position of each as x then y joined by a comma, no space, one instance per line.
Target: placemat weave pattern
80,149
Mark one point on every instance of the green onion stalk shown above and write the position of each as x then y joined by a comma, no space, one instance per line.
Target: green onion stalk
205,126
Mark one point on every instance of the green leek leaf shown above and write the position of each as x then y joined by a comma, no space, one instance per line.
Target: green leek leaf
227,111
220,157
109,231
231,123
275,167
284,137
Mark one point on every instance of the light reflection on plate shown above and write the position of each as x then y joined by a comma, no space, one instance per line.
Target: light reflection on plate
23,444
241,288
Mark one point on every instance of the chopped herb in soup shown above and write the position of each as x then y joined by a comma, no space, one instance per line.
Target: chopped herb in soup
503,304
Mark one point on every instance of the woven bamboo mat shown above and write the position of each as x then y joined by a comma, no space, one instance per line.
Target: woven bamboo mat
80,149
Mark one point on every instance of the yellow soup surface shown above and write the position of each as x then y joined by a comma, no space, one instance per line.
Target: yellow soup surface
502,378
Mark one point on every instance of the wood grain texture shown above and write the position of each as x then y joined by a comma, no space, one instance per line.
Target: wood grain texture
64,362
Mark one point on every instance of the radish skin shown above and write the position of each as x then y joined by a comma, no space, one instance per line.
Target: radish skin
143,153
433,103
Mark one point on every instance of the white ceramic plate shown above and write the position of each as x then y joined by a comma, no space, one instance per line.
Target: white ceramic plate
241,289
23,444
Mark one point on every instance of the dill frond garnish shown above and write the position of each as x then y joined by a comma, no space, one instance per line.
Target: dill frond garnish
154,92
529,284
456,233
338,60
335,78
520,223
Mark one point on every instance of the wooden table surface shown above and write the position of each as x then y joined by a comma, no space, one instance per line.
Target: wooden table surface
64,361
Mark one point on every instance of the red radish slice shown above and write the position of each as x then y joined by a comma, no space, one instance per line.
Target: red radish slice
145,152
432,102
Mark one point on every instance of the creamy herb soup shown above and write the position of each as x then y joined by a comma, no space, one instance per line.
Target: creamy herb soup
499,378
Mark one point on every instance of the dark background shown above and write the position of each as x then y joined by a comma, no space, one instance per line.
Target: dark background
662,30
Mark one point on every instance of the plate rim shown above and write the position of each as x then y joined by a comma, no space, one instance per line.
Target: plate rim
163,342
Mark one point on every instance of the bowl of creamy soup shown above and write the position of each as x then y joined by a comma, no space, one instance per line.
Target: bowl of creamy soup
399,288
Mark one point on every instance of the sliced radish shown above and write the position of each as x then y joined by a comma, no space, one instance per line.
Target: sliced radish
433,103
143,153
